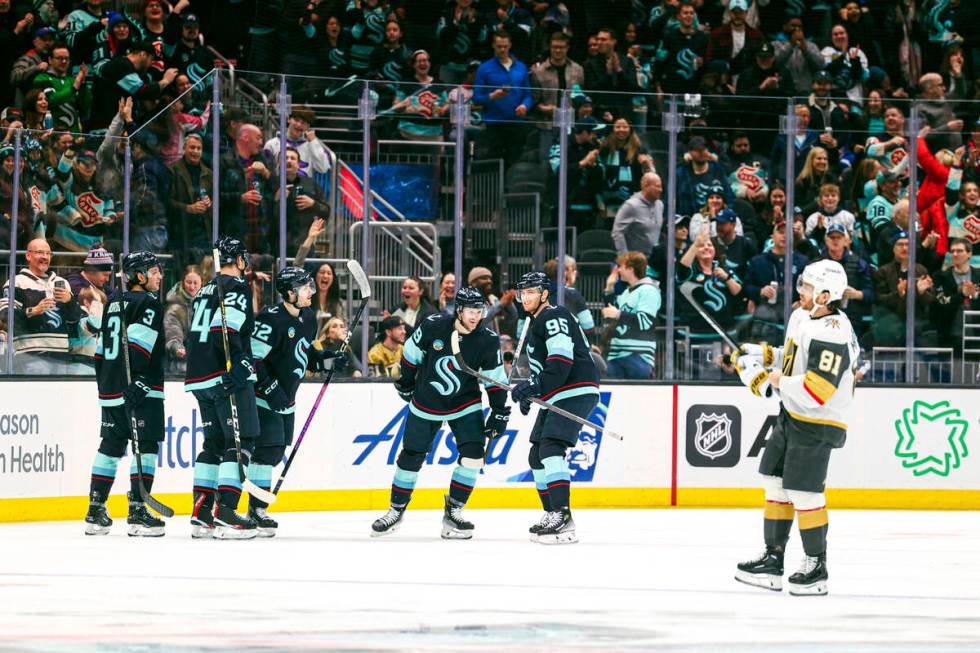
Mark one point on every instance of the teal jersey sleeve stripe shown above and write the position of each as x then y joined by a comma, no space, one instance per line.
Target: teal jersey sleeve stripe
131,83
412,353
497,374
236,318
142,335
560,345
648,300
585,319
260,349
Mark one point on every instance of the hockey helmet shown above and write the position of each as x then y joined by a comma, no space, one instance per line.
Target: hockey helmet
141,261
292,278
229,249
825,276
469,297
530,280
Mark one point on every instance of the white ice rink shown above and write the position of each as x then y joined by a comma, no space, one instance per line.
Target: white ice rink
639,580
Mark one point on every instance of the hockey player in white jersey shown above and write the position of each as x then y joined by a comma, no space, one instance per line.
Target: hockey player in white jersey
813,374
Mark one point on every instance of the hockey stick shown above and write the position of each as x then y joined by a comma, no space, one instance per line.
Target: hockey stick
247,485
454,344
520,348
148,499
365,287
687,289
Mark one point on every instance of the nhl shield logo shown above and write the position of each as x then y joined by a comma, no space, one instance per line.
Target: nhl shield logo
714,435
713,438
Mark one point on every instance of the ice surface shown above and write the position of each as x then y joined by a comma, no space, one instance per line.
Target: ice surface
639,580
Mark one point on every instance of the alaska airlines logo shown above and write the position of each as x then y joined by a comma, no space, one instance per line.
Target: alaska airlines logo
450,382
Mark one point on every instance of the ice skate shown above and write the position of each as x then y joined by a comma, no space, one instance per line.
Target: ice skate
229,525
535,529
766,571
141,521
202,520
811,579
454,527
97,521
388,523
265,524
558,528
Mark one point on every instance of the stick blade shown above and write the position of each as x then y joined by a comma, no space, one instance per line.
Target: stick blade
156,506
259,493
360,278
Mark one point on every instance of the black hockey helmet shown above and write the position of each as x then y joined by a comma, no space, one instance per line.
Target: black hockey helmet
534,280
291,278
141,261
469,297
229,249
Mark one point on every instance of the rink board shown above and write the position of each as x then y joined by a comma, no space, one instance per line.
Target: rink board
684,446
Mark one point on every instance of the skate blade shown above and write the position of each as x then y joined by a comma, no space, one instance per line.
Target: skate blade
568,537
95,529
449,533
765,581
202,532
266,532
533,537
223,532
818,588
136,530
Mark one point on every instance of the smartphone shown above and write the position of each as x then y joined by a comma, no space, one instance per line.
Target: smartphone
60,283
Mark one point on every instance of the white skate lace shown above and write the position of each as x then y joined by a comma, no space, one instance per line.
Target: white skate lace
456,513
553,520
809,564
544,520
390,517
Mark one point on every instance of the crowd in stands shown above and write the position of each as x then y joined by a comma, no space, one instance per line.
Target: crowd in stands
80,76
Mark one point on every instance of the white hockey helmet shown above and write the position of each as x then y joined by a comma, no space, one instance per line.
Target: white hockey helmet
825,276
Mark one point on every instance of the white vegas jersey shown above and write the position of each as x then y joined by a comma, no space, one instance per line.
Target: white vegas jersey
818,361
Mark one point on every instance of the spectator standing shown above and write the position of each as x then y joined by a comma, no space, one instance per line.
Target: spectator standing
415,306
550,78
314,157
584,173
765,284
859,294
190,202
45,314
623,162
699,174
769,87
683,52
246,190
510,17
737,250
120,34
187,54
447,294
962,206
640,219
827,117
804,141
502,88
846,65
305,201
611,78
957,290
84,29
365,30
502,312
735,42
85,211
748,172
796,55
879,212
128,76
95,272
890,283
632,315
176,318
938,114
421,105
326,302
384,357
69,98
463,36
32,63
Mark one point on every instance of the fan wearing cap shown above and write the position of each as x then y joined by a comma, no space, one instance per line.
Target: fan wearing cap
700,175
96,271
826,116
120,34
858,295
29,224
891,287
384,355
85,211
33,62
127,76
584,172
714,206
187,54
437,392
813,373
735,41
880,212
313,154
765,89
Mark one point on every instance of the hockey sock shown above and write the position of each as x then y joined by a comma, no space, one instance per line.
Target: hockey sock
542,485
103,474
402,486
813,530
777,524
149,461
461,485
261,475
229,484
559,480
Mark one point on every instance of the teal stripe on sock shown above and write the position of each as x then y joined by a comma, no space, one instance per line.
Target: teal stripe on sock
539,479
206,475
405,479
467,475
149,464
104,465
261,475
228,475
556,469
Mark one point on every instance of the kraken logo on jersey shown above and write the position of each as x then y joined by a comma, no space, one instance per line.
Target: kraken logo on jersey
301,357
716,300
450,383
687,63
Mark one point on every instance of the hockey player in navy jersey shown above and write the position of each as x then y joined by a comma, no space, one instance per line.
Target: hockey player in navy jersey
562,373
216,467
437,392
283,352
141,395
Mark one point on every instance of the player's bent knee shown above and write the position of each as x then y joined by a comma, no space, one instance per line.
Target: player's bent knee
552,447
534,456
113,447
411,461
268,455
774,489
807,500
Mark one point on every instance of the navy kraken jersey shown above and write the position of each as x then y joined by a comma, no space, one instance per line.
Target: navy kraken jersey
442,391
144,320
205,350
280,346
558,353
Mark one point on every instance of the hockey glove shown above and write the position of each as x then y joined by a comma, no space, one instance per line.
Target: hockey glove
523,391
237,379
136,392
755,377
496,422
272,393
764,354
405,388
319,357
